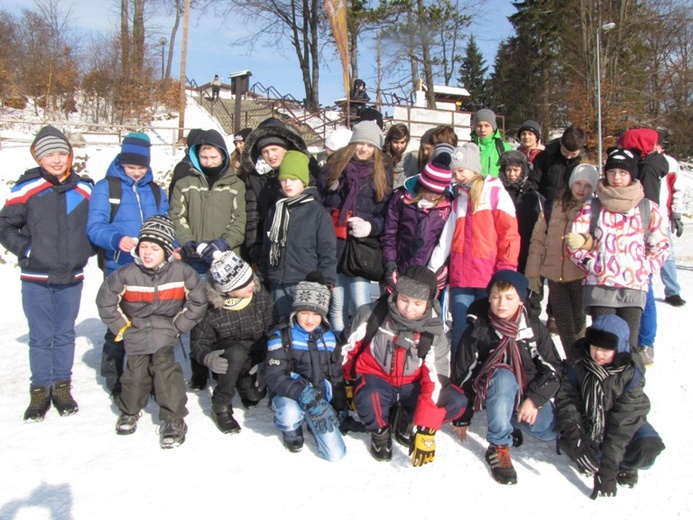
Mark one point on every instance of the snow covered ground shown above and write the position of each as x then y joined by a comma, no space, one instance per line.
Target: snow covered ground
78,468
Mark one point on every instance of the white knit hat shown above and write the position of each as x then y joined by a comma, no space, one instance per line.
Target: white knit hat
230,272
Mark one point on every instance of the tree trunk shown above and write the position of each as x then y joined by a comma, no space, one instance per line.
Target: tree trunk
125,36
138,38
174,31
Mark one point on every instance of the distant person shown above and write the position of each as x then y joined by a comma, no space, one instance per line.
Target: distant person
44,223
239,144
529,136
358,97
489,140
552,167
216,88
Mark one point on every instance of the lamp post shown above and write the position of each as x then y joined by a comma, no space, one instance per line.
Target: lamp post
162,41
606,27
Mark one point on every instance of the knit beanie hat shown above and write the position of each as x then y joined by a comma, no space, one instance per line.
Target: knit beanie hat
242,134
136,150
609,332
585,172
294,166
338,139
193,136
49,144
230,272
272,140
467,156
158,229
514,278
442,148
311,296
486,114
622,159
367,132
531,126
419,283
436,175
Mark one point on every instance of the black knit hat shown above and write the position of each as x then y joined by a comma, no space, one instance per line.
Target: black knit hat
242,134
622,159
531,126
272,140
514,278
418,282
158,229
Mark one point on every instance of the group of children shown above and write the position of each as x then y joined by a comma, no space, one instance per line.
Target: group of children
390,360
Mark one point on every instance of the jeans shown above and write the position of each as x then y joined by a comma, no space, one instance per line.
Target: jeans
648,320
51,310
668,272
461,298
500,411
283,296
288,417
347,296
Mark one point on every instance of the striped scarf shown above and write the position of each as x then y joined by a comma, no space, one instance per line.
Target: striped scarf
593,396
280,224
505,356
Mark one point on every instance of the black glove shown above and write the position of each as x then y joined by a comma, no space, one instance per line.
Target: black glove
189,251
349,424
604,484
391,276
423,446
581,449
676,224
220,244
216,363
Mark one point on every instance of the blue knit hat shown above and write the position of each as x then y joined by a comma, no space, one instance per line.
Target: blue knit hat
136,150
514,278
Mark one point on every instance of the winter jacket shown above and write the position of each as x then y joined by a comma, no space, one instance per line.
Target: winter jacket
622,258
201,214
412,232
541,362
490,149
480,243
405,169
625,404
399,365
160,304
310,360
671,193
547,255
531,153
137,204
44,223
310,245
551,170
223,328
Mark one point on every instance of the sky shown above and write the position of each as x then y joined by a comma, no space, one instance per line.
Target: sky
210,51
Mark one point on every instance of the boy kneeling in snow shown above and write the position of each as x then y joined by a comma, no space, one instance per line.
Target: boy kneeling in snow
148,304
602,409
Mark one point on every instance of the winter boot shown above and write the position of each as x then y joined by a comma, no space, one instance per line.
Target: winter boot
646,354
62,398
402,426
627,477
293,441
225,421
127,424
173,433
39,405
381,444
502,470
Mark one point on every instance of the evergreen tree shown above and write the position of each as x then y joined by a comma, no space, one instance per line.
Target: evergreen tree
473,77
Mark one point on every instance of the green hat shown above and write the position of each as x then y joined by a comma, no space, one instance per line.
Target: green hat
295,166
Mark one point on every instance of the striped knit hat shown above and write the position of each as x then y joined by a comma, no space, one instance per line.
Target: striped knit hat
136,150
158,229
49,144
436,175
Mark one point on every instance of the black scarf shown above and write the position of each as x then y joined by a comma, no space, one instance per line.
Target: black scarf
280,224
593,396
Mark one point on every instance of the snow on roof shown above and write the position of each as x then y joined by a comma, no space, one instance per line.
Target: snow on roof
450,91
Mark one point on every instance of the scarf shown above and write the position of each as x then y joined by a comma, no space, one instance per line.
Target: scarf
280,224
506,355
354,172
620,200
593,396
236,304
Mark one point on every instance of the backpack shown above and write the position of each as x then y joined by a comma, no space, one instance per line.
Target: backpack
115,195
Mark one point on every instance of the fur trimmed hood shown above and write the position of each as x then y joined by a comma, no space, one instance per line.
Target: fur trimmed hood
268,127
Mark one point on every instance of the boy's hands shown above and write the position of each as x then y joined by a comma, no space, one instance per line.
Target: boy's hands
127,244
461,432
527,412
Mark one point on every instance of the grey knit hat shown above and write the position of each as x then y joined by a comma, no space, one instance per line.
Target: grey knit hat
418,283
585,172
486,114
367,132
230,272
312,296
49,144
466,156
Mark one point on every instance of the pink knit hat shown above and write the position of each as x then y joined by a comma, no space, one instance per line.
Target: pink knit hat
436,175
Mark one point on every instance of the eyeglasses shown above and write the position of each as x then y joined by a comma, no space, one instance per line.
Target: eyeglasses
617,173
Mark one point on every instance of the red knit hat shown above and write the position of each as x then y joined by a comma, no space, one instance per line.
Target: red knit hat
436,175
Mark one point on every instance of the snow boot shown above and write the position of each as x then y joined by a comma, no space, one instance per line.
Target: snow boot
127,424
173,433
502,470
293,440
39,404
225,421
381,444
62,398
627,477
402,425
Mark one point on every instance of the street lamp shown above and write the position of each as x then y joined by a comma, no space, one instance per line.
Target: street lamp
162,41
606,27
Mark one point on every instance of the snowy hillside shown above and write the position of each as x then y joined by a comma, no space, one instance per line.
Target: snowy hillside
78,468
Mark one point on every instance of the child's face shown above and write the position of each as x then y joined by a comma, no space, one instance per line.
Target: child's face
513,172
55,164
239,146
151,254
618,178
134,172
528,139
427,150
581,190
273,155
463,175
243,292
504,304
568,154
411,308
308,320
292,187
399,145
602,356
210,156
483,129
364,151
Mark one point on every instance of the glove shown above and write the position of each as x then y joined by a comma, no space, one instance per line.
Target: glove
579,241
423,446
359,228
442,278
349,424
581,449
391,276
322,417
604,485
216,363
349,391
535,285
676,224
220,244
189,251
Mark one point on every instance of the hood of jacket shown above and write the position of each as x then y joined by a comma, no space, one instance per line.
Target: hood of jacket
209,137
271,126
640,140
